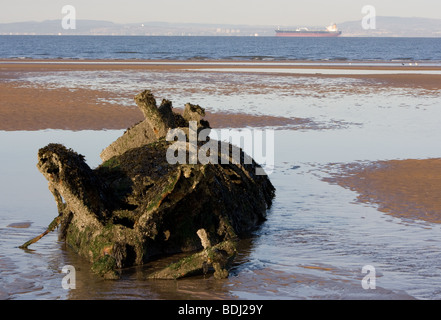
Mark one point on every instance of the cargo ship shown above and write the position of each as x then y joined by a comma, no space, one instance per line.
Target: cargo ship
331,31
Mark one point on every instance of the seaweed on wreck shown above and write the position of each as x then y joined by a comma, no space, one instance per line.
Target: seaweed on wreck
137,206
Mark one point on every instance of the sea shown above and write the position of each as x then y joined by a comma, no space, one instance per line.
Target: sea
318,242
221,48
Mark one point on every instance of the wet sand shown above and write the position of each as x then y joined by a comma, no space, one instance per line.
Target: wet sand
35,107
315,241
402,188
10,69
31,108
407,189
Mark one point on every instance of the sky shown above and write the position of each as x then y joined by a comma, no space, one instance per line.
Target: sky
249,12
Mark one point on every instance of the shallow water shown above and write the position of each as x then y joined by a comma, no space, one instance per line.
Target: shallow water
322,71
316,239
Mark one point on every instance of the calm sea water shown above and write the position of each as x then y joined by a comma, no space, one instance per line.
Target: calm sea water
200,48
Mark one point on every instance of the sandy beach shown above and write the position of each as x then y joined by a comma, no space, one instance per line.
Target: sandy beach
402,188
372,129
36,107
32,106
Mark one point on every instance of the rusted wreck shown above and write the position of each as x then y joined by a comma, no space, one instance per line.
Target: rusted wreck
137,206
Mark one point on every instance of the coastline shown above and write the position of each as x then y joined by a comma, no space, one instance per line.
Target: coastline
220,64
36,107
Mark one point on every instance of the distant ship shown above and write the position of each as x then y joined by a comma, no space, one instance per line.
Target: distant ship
331,31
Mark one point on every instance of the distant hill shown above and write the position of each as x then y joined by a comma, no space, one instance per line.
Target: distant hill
92,27
394,27
385,27
53,27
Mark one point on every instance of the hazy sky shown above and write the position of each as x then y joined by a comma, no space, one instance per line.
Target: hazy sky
255,12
